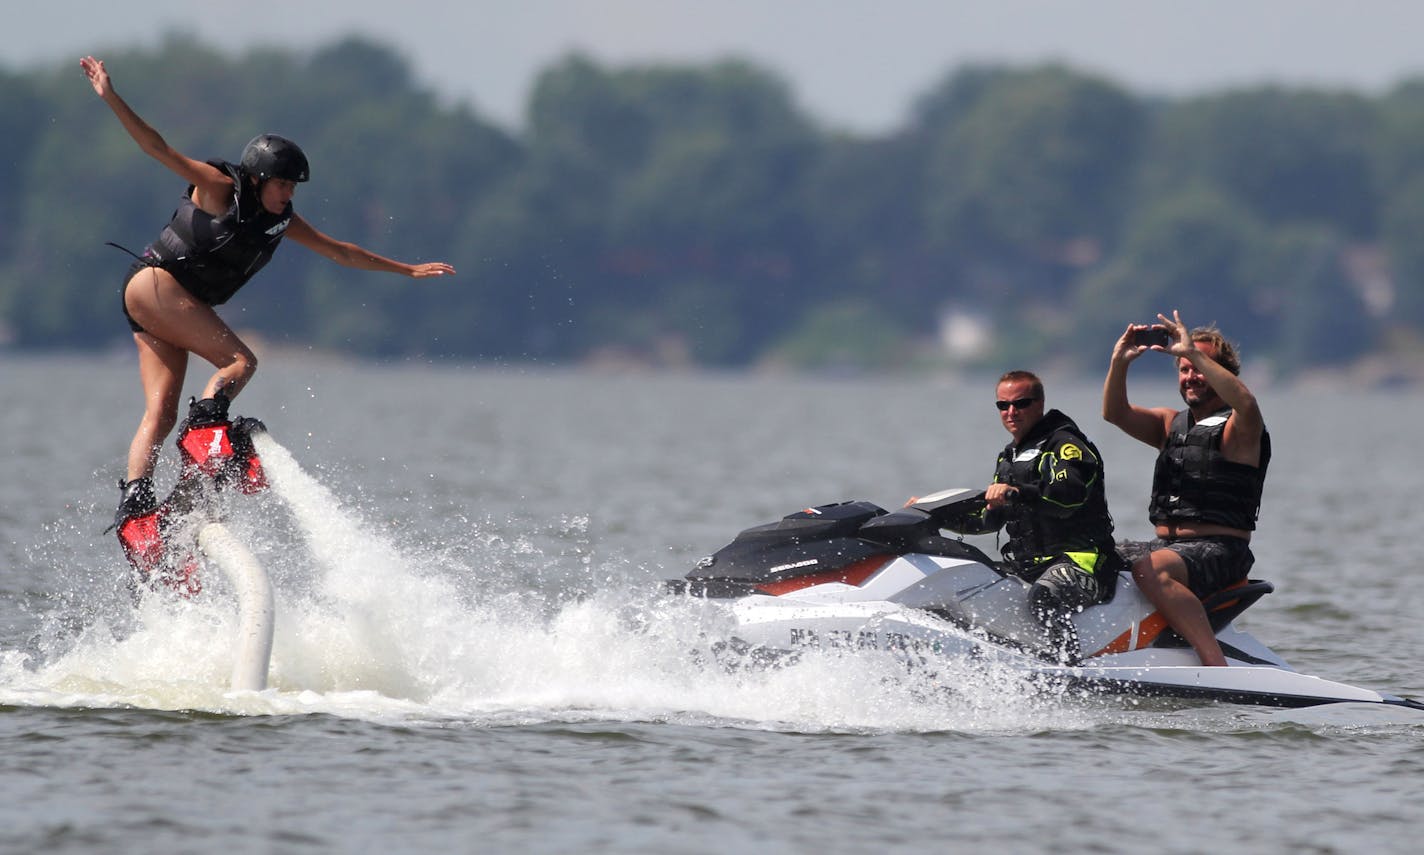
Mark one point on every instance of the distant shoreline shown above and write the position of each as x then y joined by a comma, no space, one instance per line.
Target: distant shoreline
1379,371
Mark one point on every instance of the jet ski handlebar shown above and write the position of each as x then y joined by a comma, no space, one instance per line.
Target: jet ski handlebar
952,508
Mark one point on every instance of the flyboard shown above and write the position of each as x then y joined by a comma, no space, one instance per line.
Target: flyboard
164,544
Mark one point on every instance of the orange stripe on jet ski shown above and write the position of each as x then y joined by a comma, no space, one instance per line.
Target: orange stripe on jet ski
1147,632
851,574
1151,627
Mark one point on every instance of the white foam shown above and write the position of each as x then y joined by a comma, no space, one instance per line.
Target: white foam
366,629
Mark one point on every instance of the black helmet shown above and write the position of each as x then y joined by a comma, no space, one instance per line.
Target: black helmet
271,156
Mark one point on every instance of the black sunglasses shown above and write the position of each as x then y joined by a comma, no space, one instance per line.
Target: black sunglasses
1020,403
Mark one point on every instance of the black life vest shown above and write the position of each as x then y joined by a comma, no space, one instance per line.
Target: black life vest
1194,481
212,257
1057,511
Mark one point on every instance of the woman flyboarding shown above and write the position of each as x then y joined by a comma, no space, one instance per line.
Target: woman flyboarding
225,229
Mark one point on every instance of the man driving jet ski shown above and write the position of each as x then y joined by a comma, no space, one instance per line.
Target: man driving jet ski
1048,496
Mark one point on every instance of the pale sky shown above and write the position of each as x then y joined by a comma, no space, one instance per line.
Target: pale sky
852,64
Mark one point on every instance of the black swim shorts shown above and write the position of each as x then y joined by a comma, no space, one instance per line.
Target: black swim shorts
128,277
1213,563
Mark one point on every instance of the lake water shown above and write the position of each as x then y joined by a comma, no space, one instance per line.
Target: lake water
472,653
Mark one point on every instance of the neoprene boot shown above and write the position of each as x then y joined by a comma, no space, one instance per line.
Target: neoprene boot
138,500
208,411
247,468
140,528
203,441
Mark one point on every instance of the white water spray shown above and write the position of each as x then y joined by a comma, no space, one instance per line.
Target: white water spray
335,538
366,628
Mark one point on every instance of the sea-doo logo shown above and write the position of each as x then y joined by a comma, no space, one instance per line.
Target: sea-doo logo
279,228
795,564
1069,451
846,639
1212,421
1026,455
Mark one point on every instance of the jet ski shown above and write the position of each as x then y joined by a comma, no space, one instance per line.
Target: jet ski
853,577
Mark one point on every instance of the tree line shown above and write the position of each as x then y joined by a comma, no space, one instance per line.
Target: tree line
695,214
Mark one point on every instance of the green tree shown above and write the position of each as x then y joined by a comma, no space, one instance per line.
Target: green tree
1401,140
1291,156
1403,224
1401,170
1191,251
653,188
395,172
693,212
21,112
1302,285
863,212
1039,162
848,335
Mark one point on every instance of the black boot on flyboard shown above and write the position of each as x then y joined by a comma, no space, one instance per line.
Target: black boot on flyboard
145,530
213,446
216,454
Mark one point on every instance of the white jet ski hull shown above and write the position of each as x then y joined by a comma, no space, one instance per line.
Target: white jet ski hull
851,577
777,627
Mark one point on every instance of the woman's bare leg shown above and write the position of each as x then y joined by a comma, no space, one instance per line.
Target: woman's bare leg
175,324
170,314
161,368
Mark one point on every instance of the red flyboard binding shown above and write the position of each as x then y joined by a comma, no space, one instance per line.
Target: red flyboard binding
216,454
221,450
147,543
